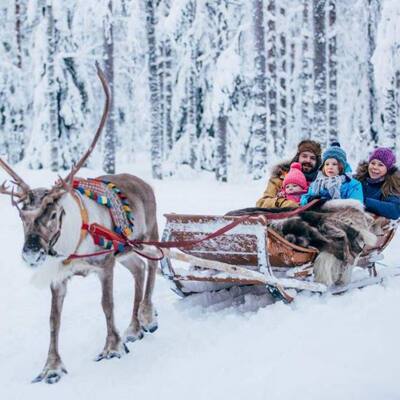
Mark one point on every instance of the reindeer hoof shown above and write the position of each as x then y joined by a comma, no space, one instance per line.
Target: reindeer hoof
51,376
148,318
150,328
130,338
109,354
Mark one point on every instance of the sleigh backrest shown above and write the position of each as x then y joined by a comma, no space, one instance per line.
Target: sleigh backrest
389,228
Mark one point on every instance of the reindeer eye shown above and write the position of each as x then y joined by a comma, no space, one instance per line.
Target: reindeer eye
53,216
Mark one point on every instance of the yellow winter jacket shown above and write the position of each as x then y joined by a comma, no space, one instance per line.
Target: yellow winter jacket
270,198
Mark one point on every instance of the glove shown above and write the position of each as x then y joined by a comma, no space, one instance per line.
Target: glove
314,197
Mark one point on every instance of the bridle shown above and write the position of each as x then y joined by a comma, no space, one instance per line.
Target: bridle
56,236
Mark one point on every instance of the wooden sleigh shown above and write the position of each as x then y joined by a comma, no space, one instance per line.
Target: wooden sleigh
252,253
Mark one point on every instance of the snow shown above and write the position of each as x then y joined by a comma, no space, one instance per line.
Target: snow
318,347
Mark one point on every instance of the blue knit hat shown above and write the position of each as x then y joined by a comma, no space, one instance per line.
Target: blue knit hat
336,152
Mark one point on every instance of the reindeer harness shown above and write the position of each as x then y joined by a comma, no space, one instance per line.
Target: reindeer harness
118,241
108,195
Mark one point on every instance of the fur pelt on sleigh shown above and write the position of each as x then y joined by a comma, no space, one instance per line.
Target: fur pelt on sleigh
339,229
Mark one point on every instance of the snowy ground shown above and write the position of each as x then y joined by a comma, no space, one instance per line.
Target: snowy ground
344,347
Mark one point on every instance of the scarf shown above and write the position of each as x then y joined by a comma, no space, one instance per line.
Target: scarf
332,184
375,181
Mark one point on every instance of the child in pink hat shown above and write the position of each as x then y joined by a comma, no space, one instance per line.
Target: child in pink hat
295,184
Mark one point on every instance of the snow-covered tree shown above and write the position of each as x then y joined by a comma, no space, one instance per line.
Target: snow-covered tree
320,72
259,123
109,134
156,137
272,84
332,71
307,71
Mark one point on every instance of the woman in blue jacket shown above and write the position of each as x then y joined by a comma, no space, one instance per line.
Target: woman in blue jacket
380,181
333,180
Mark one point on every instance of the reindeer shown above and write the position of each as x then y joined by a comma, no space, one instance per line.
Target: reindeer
52,223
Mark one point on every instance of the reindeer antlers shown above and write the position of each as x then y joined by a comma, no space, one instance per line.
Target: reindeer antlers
64,184
17,179
83,159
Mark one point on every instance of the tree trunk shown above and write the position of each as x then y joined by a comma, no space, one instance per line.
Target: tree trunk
282,88
320,72
397,103
332,75
168,128
156,134
390,115
307,72
161,79
373,19
292,92
109,134
192,106
221,170
271,75
52,89
259,123
18,35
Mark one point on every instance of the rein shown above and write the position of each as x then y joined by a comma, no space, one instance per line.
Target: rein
98,232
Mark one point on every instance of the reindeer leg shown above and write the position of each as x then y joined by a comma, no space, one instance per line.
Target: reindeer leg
54,368
136,266
147,312
113,347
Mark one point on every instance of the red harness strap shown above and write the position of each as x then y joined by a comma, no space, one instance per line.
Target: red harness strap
99,233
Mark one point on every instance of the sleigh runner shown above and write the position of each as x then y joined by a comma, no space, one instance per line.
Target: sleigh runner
252,253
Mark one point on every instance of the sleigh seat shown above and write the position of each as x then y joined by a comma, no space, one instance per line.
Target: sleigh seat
252,245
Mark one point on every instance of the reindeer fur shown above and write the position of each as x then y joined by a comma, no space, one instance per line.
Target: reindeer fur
339,230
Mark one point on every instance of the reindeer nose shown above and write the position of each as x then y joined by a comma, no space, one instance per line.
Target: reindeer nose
33,253
32,244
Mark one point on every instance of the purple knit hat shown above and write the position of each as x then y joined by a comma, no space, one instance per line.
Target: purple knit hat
384,155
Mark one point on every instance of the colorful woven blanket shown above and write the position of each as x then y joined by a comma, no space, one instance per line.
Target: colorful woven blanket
108,195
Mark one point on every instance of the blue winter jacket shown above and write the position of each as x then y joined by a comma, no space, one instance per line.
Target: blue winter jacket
375,203
350,189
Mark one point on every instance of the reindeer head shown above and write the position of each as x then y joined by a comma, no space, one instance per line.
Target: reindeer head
40,209
41,214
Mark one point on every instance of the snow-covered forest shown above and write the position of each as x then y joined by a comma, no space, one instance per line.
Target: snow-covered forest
217,91
224,86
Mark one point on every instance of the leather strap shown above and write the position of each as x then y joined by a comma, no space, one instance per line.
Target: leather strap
84,227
